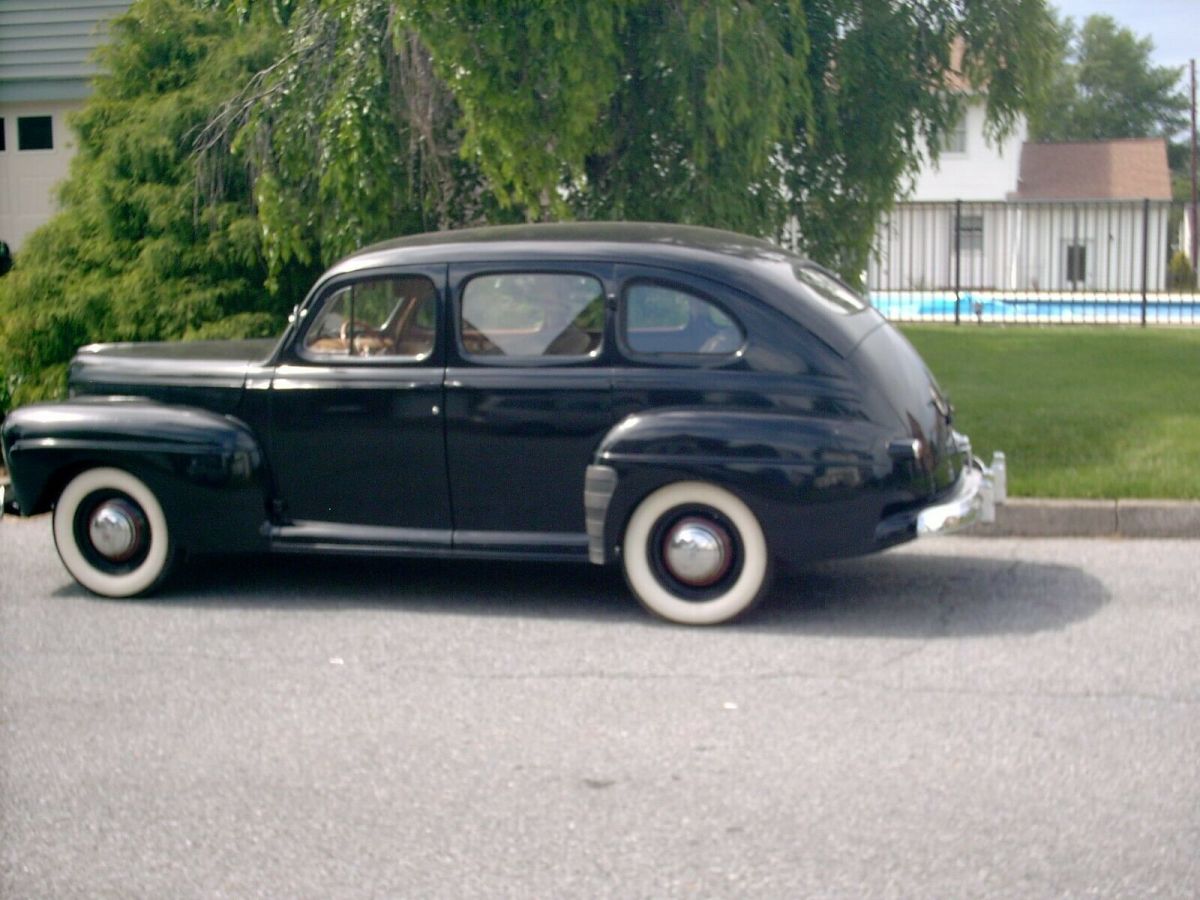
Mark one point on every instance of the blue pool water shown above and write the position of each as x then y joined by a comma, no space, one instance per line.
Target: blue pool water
1183,309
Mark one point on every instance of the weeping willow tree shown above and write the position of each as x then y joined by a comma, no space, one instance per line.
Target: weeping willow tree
234,148
717,112
133,255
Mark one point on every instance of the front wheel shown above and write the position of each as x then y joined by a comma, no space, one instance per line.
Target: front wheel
111,533
695,554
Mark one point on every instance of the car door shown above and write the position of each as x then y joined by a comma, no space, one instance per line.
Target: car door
528,399
356,439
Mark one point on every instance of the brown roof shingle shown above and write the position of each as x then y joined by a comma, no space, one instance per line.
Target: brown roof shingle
1128,169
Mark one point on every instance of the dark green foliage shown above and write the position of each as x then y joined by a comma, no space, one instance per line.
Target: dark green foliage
1180,274
1104,87
237,146
729,114
133,257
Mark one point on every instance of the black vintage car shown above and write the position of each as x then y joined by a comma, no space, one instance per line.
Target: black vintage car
694,405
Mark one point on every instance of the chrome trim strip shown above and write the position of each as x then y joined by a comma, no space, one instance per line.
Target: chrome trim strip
599,486
304,533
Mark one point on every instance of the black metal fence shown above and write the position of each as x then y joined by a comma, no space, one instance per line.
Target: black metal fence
1099,262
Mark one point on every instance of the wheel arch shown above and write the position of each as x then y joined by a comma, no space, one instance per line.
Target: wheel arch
207,470
797,473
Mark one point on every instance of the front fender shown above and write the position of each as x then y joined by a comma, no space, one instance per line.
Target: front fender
207,469
778,463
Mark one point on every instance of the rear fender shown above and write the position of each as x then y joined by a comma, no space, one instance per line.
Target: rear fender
776,463
206,469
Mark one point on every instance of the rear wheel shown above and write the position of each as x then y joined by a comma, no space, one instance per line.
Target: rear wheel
111,533
695,554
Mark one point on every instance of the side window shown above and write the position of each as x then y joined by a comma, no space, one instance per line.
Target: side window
661,319
519,314
393,316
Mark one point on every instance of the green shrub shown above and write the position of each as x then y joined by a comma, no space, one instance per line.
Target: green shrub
1180,274
131,256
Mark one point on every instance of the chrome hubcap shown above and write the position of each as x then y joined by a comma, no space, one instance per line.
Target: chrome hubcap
697,551
115,530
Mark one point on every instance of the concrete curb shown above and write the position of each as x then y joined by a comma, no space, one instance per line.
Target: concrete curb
1023,517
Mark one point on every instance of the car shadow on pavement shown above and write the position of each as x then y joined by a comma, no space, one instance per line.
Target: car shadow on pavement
895,595
927,595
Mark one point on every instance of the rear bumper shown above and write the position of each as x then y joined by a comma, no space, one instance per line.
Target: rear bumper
971,501
7,501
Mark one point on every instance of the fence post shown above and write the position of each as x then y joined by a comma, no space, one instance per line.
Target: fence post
1145,254
957,259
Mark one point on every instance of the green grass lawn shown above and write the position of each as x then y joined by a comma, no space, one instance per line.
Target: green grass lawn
1079,412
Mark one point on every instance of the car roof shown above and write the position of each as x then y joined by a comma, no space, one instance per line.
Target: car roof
747,263
631,241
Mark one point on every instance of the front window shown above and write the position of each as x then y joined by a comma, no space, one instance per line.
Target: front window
393,316
532,314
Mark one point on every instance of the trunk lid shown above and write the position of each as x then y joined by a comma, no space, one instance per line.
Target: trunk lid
905,389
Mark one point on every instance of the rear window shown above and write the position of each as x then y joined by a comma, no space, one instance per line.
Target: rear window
829,289
663,319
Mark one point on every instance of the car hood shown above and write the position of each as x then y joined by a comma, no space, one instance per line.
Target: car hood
209,374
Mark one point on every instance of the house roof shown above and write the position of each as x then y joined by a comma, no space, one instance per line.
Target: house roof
1129,169
46,48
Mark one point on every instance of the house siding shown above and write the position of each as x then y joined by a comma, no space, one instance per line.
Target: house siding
46,50
46,68
1024,247
983,171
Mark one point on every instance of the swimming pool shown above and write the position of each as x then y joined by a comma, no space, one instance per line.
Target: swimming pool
1040,307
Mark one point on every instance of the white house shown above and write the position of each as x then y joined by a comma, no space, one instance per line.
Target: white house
1029,217
45,73
971,167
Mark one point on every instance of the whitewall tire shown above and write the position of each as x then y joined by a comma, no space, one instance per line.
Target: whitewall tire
111,533
695,554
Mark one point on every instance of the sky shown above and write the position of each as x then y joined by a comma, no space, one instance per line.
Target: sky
1173,25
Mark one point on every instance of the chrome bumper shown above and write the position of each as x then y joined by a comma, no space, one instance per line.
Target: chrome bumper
974,500
8,500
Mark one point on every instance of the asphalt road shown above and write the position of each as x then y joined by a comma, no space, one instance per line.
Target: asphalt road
956,718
